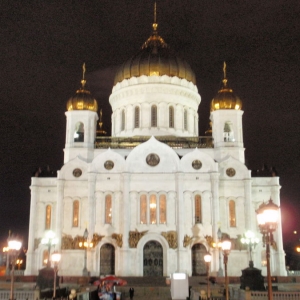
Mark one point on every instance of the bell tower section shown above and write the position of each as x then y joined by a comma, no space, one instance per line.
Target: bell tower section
81,124
227,127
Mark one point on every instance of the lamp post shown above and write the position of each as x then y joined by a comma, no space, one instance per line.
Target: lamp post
226,246
55,257
250,240
207,259
49,240
85,245
14,246
267,218
219,245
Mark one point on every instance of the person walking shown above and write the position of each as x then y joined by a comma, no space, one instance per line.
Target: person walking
131,293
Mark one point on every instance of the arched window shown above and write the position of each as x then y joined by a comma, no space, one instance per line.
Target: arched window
185,118
228,132
108,209
232,216
45,257
198,213
153,116
123,120
79,132
171,117
152,209
75,213
143,209
162,209
136,117
48,217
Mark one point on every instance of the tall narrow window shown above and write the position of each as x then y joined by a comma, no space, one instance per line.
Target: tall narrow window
162,209
153,116
75,213
152,209
123,120
143,209
108,209
79,132
198,213
232,216
45,257
48,217
136,117
185,117
228,132
171,117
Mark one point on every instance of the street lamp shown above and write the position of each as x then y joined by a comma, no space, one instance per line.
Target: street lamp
55,257
226,246
85,245
250,240
49,240
267,218
14,246
207,259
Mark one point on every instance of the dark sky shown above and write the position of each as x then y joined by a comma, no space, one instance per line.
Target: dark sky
44,44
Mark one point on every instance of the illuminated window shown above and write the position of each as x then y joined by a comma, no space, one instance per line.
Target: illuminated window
171,117
75,213
153,116
48,217
185,117
152,209
108,209
162,209
123,120
79,132
198,213
136,117
143,209
45,257
232,216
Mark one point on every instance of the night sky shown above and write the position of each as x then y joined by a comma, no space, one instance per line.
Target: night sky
44,44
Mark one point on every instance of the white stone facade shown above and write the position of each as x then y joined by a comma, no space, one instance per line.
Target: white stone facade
132,179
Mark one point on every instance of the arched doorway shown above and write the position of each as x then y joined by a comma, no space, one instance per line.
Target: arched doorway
153,259
107,259
198,263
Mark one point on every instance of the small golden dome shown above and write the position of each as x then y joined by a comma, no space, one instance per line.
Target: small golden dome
155,59
83,99
225,99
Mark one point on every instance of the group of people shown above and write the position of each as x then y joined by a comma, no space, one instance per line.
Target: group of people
106,291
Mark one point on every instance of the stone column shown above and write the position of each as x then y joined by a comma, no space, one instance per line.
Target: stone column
30,257
248,209
180,221
124,265
215,207
91,203
279,254
59,211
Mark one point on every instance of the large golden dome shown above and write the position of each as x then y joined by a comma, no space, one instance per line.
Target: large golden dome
83,99
225,99
155,58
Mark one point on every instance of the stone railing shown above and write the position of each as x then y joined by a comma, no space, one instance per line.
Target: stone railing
293,273
238,294
174,142
20,295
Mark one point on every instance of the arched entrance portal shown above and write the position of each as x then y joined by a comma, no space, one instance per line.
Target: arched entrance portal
198,263
153,259
107,259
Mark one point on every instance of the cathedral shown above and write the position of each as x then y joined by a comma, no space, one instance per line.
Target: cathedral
154,197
